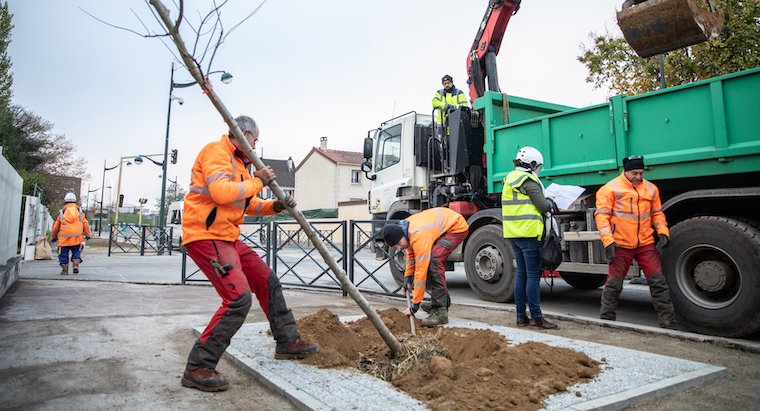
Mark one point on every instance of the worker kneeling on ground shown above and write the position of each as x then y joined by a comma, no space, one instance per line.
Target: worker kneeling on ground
221,193
70,229
429,237
628,213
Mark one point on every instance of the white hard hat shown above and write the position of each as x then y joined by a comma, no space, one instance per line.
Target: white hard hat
70,198
530,156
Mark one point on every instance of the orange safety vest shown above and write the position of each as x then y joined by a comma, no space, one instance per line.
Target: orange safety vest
221,193
626,214
71,226
425,228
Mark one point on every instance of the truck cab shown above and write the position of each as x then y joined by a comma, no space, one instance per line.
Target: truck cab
396,155
174,220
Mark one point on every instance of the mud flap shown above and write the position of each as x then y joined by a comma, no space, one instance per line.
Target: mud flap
654,27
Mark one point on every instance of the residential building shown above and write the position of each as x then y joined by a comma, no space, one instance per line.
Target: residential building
326,177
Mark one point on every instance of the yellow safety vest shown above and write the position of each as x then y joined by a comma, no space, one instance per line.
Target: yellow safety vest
519,217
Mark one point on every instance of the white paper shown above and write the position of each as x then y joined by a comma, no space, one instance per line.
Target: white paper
563,195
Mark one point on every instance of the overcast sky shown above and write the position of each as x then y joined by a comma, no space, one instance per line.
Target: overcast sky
302,69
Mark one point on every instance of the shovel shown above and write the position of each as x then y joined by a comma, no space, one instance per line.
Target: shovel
412,323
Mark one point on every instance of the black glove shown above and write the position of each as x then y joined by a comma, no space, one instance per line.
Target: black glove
448,108
280,205
87,237
554,209
53,240
609,251
407,281
662,241
414,308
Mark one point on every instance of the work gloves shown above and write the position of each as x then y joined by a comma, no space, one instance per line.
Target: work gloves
87,237
266,175
279,205
448,108
609,251
52,240
414,308
408,282
662,241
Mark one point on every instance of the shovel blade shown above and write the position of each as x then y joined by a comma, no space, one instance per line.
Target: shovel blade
657,26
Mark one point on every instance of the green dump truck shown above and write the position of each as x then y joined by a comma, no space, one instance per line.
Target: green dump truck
701,143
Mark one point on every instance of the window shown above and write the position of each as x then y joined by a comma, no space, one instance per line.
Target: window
355,176
388,148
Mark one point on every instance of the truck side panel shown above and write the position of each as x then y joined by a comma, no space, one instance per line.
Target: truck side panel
700,129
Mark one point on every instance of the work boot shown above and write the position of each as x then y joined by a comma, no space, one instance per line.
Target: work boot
658,288
426,306
64,269
76,265
541,322
438,316
522,320
610,298
296,350
205,379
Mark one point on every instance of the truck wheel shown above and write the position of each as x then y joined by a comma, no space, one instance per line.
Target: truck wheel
711,267
397,262
584,281
489,264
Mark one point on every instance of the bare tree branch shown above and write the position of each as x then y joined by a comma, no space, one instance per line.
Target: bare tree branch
118,27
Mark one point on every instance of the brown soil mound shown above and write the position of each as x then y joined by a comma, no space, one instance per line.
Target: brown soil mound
450,368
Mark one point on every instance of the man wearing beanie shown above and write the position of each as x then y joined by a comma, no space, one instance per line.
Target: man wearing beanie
447,99
428,237
628,216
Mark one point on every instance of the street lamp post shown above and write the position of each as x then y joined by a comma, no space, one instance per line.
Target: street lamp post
102,186
226,78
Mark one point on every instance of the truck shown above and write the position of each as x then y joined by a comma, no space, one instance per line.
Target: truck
701,143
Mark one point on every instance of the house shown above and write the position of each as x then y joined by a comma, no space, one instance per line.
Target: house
285,172
326,178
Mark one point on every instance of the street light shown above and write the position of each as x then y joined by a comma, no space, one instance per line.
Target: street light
226,78
138,159
102,185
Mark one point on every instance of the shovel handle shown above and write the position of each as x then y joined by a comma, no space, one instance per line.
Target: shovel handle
411,317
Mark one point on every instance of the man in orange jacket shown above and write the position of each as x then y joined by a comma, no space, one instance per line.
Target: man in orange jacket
70,229
628,214
221,192
429,237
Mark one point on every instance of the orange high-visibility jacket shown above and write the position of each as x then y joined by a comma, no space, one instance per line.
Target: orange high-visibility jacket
71,226
221,192
425,228
626,214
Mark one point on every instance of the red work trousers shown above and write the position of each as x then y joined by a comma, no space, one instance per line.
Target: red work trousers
436,278
248,273
647,257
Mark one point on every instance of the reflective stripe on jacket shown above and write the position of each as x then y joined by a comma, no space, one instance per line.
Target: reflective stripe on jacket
626,214
455,97
221,192
519,217
71,226
425,228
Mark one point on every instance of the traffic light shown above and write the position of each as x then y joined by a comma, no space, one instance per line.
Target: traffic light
174,156
121,200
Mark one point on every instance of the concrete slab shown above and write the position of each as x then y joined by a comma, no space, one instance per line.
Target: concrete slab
628,377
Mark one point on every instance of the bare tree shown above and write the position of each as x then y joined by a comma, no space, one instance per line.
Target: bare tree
210,33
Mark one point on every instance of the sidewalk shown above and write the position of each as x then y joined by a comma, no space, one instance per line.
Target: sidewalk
114,344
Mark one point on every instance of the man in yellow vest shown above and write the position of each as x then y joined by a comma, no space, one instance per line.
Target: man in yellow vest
523,206
70,229
447,99
429,237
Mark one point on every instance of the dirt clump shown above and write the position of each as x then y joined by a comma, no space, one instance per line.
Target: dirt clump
449,368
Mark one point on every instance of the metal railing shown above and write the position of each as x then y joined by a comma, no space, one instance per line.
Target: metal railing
132,238
286,249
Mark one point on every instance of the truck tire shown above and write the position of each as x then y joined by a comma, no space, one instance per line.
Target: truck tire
489,264
711,265
397,262
584,281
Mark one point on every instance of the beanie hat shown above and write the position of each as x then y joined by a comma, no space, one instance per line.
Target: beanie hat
633,163
447,77
392,233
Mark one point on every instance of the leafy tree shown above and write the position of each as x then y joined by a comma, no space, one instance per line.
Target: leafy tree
27,139
613,65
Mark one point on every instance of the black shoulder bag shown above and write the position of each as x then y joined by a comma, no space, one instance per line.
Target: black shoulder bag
550,253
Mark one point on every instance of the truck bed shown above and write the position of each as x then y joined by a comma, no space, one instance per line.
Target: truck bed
703,129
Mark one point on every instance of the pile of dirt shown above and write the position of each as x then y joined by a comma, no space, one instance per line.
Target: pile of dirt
465,369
